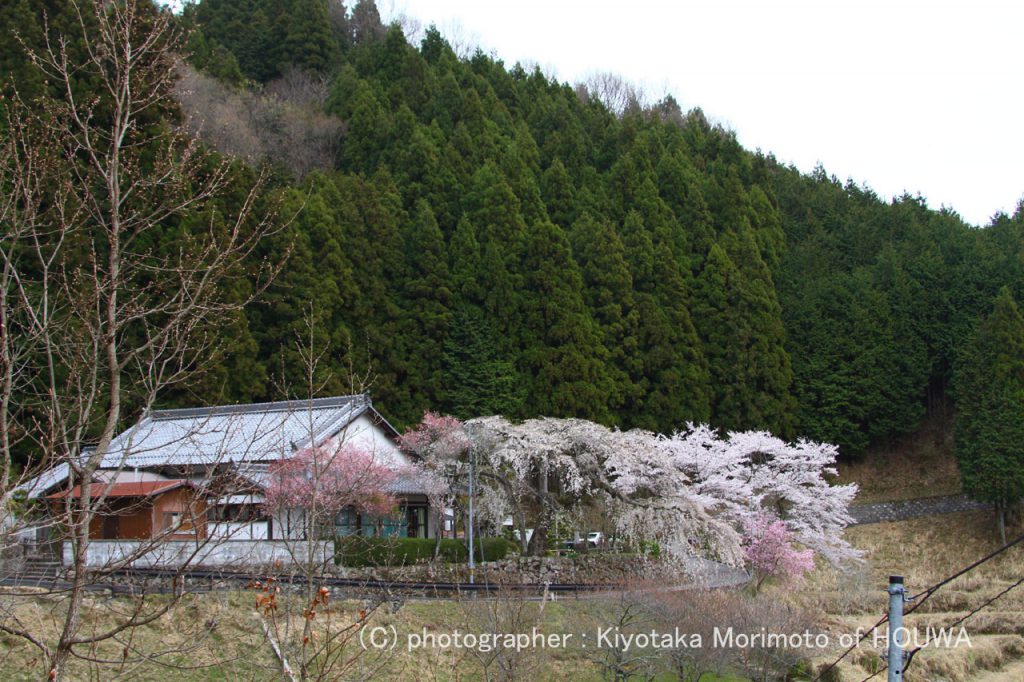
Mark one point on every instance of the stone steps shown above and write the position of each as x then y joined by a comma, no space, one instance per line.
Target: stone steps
40,569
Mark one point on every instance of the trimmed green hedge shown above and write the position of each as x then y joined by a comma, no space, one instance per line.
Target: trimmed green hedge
495,549
357,551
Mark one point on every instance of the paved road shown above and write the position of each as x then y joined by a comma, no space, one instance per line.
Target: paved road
706,573
909,509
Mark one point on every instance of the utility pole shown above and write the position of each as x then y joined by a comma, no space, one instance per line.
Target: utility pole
897,596
472,563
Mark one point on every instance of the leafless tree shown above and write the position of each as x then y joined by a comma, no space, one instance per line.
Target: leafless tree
733,628
311,636
218,115
695,613
284,124
24,160
412,28
507,610
101,309
300,87
615,92
627,614
463,42
768,660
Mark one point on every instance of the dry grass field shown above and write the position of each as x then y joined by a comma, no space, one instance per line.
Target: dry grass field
220,636
924,551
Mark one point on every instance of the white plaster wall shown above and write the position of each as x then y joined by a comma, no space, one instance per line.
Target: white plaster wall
289,524
364,433
254,530
242,554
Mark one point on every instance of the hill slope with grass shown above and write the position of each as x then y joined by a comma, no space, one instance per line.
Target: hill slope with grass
925,550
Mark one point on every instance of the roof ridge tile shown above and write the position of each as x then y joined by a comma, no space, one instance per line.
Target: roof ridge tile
257,408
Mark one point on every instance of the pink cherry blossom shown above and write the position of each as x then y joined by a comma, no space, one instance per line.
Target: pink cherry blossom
326,479
768,546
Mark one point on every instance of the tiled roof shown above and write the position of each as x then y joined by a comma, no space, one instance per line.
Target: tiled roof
231,433
35,487
51,478
125,489
406,484
248,436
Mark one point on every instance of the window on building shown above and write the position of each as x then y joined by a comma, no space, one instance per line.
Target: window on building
172,521
347,523
416,520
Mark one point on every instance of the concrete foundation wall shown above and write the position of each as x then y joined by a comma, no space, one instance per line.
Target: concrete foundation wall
238,554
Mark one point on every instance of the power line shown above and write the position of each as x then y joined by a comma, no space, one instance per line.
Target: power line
921,598
924,595
853,646
959,621
910,656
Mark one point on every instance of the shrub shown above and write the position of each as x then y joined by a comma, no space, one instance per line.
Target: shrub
359,551
494,548
651,549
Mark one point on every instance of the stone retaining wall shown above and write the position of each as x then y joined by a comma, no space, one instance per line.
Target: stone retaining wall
593,569
909,509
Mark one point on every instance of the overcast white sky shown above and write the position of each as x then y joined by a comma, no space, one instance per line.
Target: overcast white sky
926,97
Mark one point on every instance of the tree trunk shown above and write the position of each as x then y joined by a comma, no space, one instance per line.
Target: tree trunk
539,541
480,542
80,534
520,516
1001,521
438,532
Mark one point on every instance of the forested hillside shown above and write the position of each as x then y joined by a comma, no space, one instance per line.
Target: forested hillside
484,239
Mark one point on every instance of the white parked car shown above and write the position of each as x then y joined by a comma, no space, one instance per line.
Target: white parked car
595,538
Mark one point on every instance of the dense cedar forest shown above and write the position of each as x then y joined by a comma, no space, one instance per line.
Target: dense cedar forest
482,239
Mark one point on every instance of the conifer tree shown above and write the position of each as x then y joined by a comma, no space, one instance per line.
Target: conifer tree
494,208
21,22
847,381
509,148
478,379
308,42
480,375
740,324
679,187
369,126
209,56
563,358
464,256
677,364
369,213
318,282
426,311
990,422
559,194
365,23
246,30
520,165
502,295
670,371
608,293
